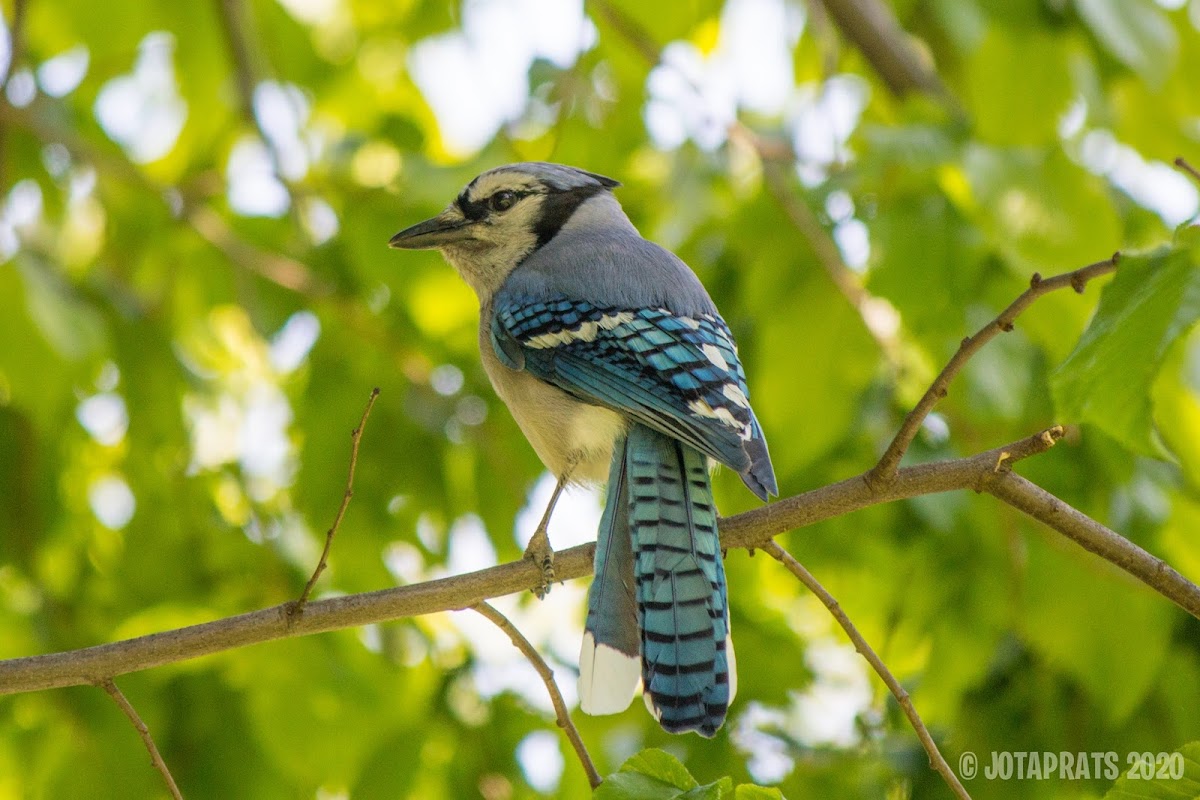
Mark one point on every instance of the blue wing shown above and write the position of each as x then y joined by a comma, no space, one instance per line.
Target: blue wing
679,375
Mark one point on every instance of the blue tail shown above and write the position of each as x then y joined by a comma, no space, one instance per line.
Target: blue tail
688,674
659,591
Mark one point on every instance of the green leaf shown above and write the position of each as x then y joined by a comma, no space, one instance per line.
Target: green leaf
710,791
749,791
1136,32
1106,382
662,766
634,786
656,775
1169,778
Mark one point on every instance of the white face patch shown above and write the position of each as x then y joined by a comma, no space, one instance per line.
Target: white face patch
585,332
714,355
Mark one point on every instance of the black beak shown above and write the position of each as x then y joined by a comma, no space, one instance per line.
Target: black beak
446,228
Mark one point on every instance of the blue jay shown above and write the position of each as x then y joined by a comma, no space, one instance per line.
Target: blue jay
614,361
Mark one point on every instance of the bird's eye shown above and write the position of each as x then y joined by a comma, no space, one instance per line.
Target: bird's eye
502,200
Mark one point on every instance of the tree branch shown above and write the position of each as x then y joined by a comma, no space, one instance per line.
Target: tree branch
16,54
16,38
1038,286
751,530
1184,166
155,758
543,670
860,644
875,31
633,33
1095,538
355,439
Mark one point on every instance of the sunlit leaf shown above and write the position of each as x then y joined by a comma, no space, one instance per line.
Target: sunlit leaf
1106,382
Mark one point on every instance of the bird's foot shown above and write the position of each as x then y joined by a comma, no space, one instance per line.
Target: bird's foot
540,553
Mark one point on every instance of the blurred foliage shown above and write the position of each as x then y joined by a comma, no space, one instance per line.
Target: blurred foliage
196,300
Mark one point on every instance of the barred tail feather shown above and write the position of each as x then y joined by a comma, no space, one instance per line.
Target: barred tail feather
687,661
610,659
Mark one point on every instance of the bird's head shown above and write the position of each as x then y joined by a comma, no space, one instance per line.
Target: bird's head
501,217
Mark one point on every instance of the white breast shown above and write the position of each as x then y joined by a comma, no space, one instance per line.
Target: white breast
568,435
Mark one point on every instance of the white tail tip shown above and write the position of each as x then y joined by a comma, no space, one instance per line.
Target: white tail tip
608,678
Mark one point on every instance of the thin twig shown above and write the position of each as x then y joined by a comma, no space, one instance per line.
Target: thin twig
1188,168
1078,279
860,644
355,438
547,675
155,757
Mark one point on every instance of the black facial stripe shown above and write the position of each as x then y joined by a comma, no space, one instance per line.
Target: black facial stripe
558,207
473,210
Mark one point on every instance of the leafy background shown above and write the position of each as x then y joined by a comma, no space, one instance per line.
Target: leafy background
196,300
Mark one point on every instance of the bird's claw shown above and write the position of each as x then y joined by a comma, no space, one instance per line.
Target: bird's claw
540,553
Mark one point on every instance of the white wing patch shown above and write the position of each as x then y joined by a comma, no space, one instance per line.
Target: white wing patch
735,395
723,415
714,355
585,332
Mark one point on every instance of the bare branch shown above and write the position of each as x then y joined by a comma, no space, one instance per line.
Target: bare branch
1038,286
874,30
1188,168
547,675
752,530
155,758
355,439
16,54
860,644
16,34
1095,538
629,29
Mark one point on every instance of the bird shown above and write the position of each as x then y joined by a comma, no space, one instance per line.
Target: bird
617,366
